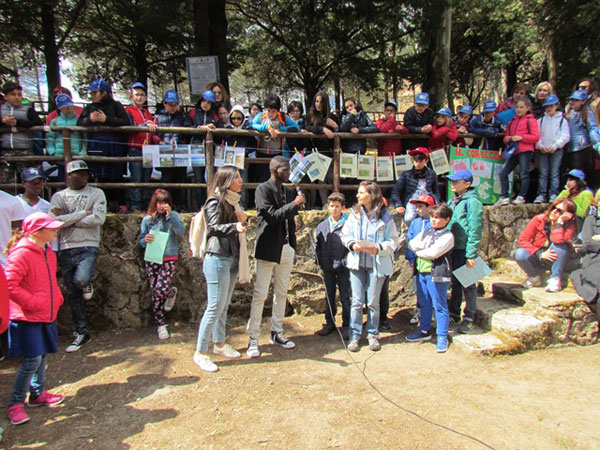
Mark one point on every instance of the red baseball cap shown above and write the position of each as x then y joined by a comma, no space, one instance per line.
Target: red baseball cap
422,150
424,198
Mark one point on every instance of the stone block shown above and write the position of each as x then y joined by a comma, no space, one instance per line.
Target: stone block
486,308
529,327
508,292
487,344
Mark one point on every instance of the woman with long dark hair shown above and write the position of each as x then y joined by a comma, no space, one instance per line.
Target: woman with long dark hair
225,261
546,242
371,236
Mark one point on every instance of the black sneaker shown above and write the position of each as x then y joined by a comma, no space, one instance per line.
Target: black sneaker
328,328
466,327
79,340
277,338
384,325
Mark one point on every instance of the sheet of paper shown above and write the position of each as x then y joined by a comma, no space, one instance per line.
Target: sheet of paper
467,276
385,168
348,167
366,167
402,163
439,161
155,250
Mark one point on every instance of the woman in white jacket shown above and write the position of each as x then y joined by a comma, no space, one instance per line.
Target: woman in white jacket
371,236
554,135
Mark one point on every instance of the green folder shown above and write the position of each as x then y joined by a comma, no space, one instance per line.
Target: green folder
155,250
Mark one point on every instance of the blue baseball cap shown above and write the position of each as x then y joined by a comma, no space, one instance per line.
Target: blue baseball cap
579,95
30,174
99,85
138,85
445,111
63,100
209,95
171,96
467,109
462,174
489,106
391,103
551,100
422,98
576,173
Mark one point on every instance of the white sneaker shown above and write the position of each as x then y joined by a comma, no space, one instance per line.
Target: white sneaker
416,316
520,200
553,285
204,362
88,292
170,301
163,333
503,201
226,350
253,351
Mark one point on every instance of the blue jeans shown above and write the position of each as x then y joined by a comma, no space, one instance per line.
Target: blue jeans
221,275
431,295
334,279
549,166
139,174
459,259
522,160
31,377
366,286
77,266
533,267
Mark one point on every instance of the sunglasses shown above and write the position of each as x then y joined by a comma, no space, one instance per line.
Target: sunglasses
236,118
562,211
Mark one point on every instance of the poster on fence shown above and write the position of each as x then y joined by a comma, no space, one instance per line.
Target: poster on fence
485,165
439,161
298,167
230,156
402,163
348,165
366,167
149,154
197,156
385,168
159,156
314,168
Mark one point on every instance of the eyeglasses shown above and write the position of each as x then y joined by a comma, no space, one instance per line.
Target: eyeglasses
559,210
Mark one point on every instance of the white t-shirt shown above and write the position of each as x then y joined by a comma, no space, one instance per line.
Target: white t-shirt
41,206
10,211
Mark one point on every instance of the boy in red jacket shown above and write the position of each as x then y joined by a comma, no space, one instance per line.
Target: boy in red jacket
140,116
390,147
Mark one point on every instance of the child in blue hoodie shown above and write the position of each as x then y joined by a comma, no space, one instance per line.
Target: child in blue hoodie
331,257
161,217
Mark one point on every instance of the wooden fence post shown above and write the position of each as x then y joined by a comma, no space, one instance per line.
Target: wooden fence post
336,164
209,158
68,156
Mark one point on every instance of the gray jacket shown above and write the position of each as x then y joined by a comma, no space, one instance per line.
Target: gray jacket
26,117
81,229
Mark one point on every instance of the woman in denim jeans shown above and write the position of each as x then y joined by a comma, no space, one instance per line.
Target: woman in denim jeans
546,241
225,254
371,236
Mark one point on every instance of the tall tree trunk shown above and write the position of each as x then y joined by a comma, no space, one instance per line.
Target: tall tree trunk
338,92
50,48
201,28
551,64
511,77
141,61
218,37
438,61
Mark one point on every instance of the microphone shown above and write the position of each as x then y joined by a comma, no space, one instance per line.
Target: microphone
299,192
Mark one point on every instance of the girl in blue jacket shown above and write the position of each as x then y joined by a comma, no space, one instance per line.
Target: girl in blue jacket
371,236
161,217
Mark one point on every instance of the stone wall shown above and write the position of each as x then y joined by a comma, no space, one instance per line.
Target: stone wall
122,296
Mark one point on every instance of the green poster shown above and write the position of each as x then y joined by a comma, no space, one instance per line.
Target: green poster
485,166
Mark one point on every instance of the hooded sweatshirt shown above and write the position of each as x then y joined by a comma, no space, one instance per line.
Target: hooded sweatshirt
247,142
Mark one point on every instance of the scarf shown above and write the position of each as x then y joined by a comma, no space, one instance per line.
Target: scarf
233,198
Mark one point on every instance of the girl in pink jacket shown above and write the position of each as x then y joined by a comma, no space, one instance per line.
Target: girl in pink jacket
523,133
34,302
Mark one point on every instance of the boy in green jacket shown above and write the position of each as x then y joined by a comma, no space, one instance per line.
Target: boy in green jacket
466,225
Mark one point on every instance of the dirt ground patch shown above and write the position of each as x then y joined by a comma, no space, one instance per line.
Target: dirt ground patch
128,390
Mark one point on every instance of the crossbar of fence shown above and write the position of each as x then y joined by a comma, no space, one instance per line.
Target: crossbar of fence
209,152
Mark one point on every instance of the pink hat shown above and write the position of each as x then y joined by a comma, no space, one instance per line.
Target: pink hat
38,220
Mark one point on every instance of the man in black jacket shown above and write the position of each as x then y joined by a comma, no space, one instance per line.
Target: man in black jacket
275,248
